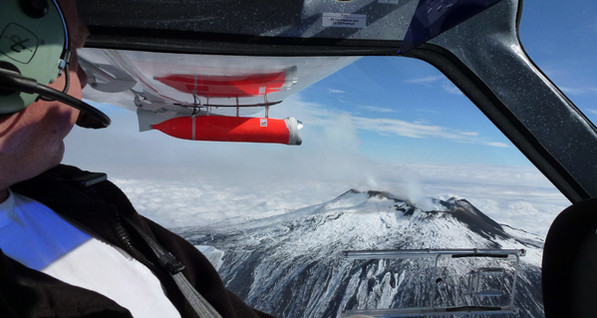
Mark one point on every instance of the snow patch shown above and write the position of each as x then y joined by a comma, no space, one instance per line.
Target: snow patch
214,255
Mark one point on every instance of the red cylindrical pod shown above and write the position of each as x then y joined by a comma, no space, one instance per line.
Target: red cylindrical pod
226,86
239,129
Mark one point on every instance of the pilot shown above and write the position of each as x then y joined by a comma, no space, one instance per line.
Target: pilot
71,244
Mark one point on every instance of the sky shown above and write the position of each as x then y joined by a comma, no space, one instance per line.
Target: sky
382,123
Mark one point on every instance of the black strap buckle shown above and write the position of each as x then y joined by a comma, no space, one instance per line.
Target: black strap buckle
170,263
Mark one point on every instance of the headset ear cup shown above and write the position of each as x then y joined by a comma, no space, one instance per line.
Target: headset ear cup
33,46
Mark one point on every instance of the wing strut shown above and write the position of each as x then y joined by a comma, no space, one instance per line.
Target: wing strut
452,281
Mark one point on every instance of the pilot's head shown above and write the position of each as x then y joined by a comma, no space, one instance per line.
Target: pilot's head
31,140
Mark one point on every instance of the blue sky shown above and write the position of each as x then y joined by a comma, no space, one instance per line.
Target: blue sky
407,111
561,37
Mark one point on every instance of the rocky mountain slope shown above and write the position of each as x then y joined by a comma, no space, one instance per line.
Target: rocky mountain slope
295,264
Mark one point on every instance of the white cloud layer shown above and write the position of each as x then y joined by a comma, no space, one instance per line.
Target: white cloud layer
379,109
519,197
425,79
180,183
397,127
335,91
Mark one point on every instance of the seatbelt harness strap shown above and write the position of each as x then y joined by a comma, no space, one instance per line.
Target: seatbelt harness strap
199,304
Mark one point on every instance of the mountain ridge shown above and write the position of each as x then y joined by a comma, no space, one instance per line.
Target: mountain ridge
292,265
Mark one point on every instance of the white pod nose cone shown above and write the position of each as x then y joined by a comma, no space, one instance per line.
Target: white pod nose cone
294,136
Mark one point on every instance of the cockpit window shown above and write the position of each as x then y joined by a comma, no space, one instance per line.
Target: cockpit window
403,194
394,157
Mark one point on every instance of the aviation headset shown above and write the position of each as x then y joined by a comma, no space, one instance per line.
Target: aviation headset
34,52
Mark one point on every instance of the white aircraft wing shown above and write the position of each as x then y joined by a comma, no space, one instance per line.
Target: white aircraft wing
164,86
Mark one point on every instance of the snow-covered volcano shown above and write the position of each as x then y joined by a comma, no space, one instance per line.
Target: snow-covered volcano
294,265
